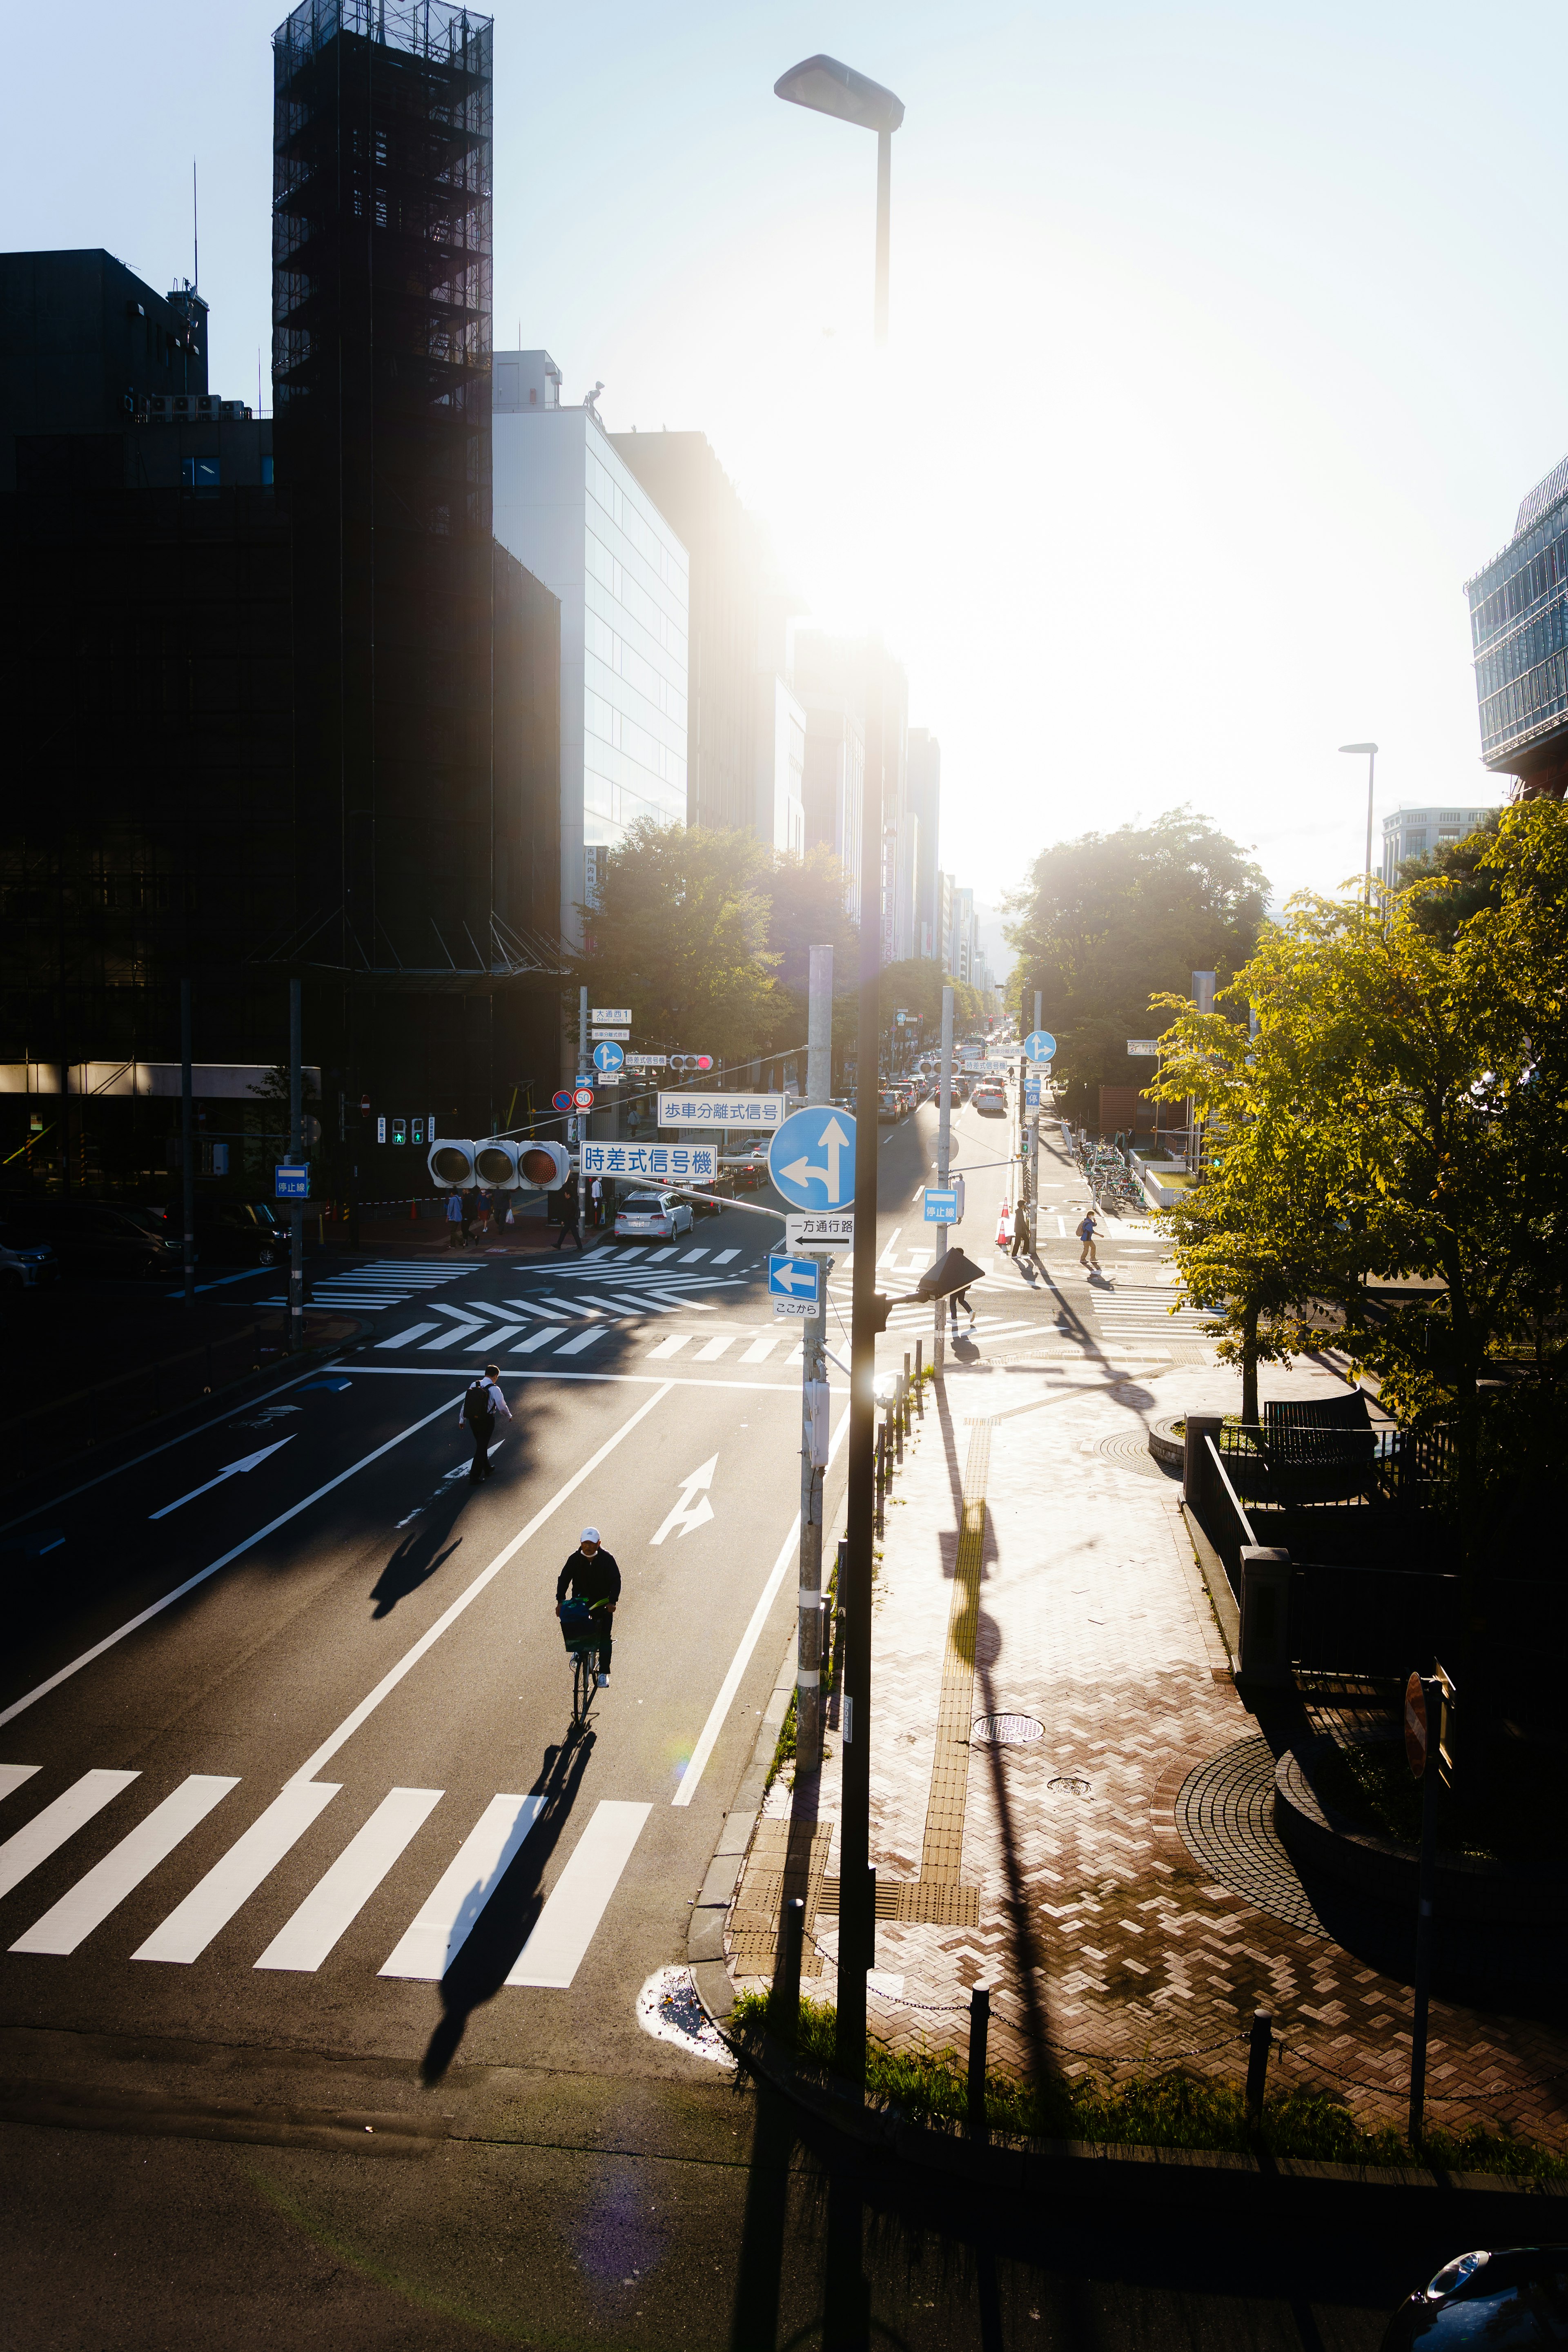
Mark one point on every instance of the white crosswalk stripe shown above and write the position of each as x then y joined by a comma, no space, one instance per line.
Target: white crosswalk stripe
437,1933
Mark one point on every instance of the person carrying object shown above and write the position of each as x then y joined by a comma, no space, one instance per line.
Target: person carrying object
593,1575
482,1399
1087,1256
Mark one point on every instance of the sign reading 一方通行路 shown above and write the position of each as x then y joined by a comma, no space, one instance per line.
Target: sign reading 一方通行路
668,1163
763,1113
620,1012
830,1228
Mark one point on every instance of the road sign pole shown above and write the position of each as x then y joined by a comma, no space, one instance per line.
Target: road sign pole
857,1919
1431,1691
295,1153
1035,1144
813,1368
943,1148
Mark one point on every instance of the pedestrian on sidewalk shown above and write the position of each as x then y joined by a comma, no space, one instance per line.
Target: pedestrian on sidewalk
468,1217
570,1205
1021,1242
598,1198
453,1220
483,1213
1087,1256
482,1401
956,1299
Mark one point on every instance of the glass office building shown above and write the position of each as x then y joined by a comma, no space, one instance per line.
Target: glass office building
1519,633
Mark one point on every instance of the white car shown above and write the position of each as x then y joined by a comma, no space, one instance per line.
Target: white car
652,1216
988,1096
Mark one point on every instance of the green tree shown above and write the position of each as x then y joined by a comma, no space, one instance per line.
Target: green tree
681,934
1467,882
917,984
1110,921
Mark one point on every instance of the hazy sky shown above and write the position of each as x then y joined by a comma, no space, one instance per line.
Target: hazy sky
1224,342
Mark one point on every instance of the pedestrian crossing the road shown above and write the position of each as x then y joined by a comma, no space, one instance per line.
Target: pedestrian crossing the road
385,1282
439,1925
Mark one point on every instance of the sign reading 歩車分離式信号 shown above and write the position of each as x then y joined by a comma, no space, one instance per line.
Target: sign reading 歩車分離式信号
664,1163
765,1114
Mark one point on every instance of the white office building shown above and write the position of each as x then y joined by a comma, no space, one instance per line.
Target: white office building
1417,828
569,508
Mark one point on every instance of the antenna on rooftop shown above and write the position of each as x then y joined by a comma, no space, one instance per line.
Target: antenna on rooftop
195,233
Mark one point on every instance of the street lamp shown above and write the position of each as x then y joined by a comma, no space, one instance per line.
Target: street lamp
826,87
1370,752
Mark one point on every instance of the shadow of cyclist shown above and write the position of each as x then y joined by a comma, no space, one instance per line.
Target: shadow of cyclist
506,1918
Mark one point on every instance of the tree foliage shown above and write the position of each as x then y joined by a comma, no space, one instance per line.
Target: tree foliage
1467,882
1402,1114
1108,922
917,984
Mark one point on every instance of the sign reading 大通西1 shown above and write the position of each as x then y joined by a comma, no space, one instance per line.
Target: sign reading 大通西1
793,1280
835,1229
668,1163
765,1114
1143,1049
290,1183
619,1012
944,1204
811,1159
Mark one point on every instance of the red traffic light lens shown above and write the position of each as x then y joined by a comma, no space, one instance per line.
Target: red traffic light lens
705,1061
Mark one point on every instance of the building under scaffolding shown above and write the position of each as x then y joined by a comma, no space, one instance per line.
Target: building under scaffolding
279,703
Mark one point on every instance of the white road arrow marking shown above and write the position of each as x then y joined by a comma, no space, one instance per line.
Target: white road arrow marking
247,1463
833,1140
694,1509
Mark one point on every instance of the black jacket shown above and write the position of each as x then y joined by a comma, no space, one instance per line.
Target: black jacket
598,1579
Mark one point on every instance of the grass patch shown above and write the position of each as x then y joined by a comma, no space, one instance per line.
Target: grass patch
1167,2107
784,1747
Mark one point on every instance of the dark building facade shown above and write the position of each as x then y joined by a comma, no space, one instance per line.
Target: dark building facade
280,705
925,807
1519,632
85,346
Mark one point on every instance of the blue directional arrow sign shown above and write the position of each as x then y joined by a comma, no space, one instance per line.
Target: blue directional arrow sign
1039,1045
608,1056
811,1159
794,1277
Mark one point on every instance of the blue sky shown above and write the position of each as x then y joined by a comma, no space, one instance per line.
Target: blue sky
1225,341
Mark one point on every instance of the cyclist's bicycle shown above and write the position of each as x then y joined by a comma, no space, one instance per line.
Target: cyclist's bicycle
581,1638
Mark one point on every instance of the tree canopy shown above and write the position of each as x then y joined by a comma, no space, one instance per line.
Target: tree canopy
1108,922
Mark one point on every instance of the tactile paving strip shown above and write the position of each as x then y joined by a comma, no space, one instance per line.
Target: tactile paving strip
1224,1812
1133,1453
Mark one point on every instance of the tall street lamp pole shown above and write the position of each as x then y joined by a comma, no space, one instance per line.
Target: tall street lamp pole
1370,752
830,88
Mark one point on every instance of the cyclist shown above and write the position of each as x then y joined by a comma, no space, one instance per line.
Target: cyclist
592,1575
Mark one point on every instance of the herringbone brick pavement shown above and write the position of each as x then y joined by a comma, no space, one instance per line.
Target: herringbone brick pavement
1101,1933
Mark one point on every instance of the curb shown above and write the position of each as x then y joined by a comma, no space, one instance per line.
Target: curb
705,1935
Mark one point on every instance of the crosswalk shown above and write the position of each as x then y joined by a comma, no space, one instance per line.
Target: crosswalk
441,1922
1143,1315
385,1282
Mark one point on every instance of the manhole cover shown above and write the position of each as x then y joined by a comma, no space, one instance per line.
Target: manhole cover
1225,1812
1131,1454
1070,1785
1007,1730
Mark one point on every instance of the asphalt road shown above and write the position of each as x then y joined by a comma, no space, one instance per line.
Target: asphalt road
320,1940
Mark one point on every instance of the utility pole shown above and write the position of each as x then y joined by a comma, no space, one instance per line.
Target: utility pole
943,1151
187,1149
813,1406
296,1159
1035,1154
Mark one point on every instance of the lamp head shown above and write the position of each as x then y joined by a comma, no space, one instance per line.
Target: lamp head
830,88
1358,747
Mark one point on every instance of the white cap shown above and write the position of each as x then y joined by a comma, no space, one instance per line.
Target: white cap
589,1535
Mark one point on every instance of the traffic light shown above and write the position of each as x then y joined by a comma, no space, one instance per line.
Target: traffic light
541,1167
691,1061
451,1163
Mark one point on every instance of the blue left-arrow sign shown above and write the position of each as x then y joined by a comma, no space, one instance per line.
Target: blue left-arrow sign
608,1056
794,1277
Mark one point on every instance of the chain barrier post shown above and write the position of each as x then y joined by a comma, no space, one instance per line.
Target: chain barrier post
783,2008
1426,1888
979,2034
920,1378
1258,2043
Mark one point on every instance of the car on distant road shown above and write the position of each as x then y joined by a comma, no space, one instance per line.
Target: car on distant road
989,1096
652,1216
891,1107
26,1261
100,1237
230,1232
1515,2299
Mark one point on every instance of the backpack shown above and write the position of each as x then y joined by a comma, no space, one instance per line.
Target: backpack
476,1405
1085,1230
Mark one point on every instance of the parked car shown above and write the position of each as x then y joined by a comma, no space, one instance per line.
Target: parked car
102,1238
652,1216
231,1233
891,1107
26,1261
1515,2299
989,1096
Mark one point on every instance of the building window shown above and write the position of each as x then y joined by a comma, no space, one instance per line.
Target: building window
266,473
200,473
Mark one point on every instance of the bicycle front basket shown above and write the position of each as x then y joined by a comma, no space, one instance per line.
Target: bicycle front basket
577,1625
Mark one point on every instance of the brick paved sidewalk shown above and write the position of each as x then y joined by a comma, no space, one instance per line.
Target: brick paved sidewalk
1119,1902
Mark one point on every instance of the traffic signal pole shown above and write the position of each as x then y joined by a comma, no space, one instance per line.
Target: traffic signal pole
944,1153
813,1375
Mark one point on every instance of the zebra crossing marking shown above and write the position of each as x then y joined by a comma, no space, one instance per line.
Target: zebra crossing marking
711,1350
583,1339
725,1257
47,1831
671,1347
13,1775
89,1902
337,1897
406,1339
191,1925
536,1339
451,1911
692,1255
761,1346
580,1898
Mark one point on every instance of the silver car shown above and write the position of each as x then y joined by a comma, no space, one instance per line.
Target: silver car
652,1216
